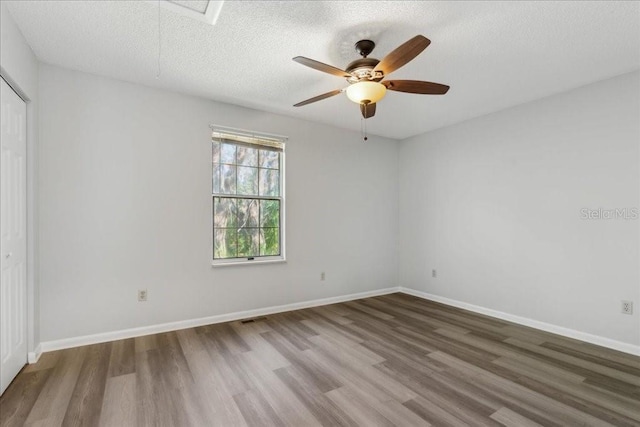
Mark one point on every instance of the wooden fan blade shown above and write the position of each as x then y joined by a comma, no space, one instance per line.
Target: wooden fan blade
416,86
368,110
402,54
320,66
319,97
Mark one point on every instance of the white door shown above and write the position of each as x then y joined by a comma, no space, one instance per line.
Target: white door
13,236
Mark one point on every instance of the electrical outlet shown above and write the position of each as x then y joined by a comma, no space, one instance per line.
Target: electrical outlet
142,295
627,307
322,276
434,273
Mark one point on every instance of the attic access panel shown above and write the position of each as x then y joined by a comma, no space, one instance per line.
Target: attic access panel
200,10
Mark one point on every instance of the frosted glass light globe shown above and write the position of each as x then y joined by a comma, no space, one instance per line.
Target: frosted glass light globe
366,91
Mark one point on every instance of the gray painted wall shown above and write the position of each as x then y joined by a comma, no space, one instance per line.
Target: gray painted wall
125,200
494,205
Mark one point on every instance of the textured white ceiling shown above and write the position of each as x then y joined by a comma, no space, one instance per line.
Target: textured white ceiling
493,54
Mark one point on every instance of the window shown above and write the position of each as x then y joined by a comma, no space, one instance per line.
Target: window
248,197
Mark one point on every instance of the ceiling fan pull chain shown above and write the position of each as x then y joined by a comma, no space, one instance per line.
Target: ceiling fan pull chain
363,127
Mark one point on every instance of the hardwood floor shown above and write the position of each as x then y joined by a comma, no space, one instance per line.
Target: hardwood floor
389,360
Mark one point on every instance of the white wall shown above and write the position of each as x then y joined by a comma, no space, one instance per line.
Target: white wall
125,202
494,205
19,67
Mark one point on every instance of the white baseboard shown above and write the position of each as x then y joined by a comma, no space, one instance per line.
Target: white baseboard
34,356
547,327
184,324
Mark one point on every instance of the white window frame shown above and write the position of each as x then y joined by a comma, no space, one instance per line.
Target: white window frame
250,137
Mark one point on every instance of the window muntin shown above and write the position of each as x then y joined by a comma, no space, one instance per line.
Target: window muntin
247,199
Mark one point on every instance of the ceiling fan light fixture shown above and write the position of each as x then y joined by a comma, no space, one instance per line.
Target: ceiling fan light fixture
364,75
366,92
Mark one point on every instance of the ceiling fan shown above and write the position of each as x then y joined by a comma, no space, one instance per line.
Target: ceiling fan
366,75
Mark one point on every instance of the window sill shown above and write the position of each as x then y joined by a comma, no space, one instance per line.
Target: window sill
278,260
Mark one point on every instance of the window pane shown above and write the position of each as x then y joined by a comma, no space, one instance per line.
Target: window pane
247,180
216,178
269,213
247,156
227,179
248,242
246,200
269,159
225,213
225,243
216,152
228,153
269,241
269,182
247,213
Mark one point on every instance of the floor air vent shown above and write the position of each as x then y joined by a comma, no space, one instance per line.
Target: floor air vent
255,319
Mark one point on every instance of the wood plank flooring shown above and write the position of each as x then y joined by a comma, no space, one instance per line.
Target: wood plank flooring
383,361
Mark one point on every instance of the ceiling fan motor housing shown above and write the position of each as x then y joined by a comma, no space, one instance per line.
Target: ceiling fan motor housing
362,69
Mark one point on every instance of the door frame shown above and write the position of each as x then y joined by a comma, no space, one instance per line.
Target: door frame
33,313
